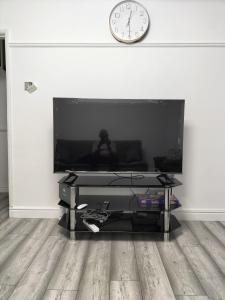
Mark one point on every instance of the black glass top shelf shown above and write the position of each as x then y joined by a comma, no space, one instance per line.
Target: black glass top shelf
120,181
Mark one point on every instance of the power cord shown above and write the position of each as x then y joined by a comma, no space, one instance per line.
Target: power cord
131,177
96,215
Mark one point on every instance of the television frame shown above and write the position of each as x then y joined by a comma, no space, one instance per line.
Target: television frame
2,55
119,171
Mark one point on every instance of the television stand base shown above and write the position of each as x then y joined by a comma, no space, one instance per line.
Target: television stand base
125,213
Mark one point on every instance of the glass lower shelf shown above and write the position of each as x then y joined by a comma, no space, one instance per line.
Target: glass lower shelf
148,222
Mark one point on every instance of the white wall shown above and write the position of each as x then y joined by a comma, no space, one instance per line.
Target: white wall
3,134
87,20
170,70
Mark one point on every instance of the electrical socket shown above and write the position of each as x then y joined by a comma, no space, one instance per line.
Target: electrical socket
30,87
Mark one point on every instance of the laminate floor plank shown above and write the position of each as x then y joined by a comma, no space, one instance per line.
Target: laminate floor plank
11,241
14,268
4,196
25,227
153,278
181,276
69,270
217,229
123,264
7,246
4,203
8,226
222,223
46,225
192,298
34,282
212,245
4,214
6,291
60,295
208,273
52,295
60,232
94,283
38,261
125,290
186,237
68,295
212,281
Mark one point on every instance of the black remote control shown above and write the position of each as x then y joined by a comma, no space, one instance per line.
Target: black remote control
164,179
105,205
70,179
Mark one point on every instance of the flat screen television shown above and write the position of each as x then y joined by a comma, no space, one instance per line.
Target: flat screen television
108,135
2,55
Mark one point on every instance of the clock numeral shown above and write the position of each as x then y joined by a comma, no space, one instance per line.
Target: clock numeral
113,22
128,6
136,7
121,8
144,20
117,15
116,29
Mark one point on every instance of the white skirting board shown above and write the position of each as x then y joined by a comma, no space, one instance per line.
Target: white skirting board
200,214
35,212
56,212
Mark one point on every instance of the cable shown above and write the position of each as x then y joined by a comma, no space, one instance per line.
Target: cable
131,177
97,215
117,179
138,176
147,190
121,176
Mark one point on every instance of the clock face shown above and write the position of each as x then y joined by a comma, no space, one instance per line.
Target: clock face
129,21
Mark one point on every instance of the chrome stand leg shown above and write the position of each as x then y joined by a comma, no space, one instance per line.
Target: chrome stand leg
72,219
166,237
73,235
167,212
73,198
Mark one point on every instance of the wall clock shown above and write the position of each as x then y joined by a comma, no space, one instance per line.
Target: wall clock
129,21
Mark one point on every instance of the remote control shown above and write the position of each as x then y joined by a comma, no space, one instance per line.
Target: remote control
105,205
81,206
70,179
164,179
90,226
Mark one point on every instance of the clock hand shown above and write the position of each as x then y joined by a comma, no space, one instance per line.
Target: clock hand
128,23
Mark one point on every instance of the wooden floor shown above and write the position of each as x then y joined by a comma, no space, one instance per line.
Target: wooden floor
38,261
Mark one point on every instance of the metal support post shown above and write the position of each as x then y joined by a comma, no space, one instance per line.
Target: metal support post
74,196
167,192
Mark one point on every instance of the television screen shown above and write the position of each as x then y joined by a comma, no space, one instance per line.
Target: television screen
118,135
2,55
